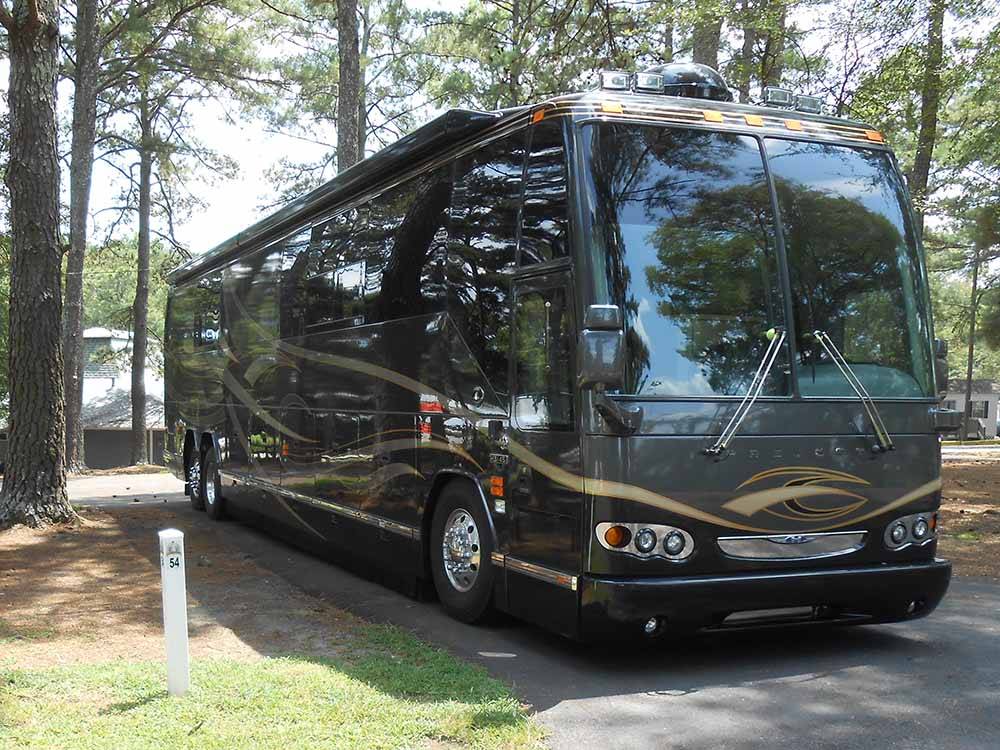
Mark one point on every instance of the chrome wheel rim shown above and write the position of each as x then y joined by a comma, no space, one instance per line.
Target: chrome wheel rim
194,479
461,549
210,493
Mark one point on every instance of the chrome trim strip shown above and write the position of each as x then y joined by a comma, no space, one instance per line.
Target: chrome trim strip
410,532
538,572
792,546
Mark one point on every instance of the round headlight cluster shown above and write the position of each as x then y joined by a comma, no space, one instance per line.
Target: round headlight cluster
645,540
918,528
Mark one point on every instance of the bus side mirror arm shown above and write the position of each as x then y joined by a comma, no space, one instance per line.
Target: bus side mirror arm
623,418
601,360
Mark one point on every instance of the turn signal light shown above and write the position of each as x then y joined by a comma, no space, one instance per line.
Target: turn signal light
617,536
496,486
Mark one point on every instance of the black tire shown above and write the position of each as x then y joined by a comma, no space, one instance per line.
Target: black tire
211,487
475,603
194,473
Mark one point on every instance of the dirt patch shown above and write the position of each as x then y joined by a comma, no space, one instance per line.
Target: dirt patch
90,593
970,517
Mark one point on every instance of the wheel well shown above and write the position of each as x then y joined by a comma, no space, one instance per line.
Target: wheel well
208,443
440,482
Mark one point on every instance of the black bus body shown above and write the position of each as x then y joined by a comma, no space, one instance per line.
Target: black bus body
496,359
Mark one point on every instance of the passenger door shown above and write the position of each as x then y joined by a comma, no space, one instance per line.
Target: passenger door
546,515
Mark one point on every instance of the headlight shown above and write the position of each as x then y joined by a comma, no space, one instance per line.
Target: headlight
898,533
645,540
912,530
674,543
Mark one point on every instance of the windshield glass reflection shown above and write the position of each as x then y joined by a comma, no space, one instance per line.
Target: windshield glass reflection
854,269
683,240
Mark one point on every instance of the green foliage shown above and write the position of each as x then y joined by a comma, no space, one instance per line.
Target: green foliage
109,287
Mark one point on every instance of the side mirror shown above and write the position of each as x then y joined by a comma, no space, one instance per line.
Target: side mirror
601,353
941,367
601,365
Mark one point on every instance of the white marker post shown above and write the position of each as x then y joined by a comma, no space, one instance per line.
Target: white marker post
175,623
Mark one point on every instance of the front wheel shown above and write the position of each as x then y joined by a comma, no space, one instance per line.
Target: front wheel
211,487
461,545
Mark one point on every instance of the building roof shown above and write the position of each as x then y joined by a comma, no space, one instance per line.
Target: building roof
979,387
93,367
105,333
114,411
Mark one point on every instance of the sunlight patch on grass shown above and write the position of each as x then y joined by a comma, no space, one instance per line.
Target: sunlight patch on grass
394,692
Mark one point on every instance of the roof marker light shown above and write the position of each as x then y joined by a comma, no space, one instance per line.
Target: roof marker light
614,108
778,97
874,135
649,82
712,116
538,116
810,104
616,80
793,124
756,120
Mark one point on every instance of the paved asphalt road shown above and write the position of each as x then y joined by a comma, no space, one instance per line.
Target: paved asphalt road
932,683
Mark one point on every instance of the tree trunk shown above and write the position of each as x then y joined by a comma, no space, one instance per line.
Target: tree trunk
973,311
349,91
706,33
34,486
80,171
930,99
772,64
668,31
746,65
362,88
140,308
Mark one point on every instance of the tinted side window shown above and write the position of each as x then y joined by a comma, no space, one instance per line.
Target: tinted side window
324,279
544,234
544,362
412,279
482,247
250,300
376,243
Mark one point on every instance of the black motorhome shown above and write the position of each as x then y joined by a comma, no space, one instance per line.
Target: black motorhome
634,359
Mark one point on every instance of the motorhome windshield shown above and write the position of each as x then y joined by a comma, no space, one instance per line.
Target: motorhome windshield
684,240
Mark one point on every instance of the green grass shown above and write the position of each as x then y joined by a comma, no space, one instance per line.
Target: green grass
968,536
392,692
8,633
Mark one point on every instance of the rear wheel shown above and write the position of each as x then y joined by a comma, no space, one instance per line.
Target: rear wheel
195,489
461,545
211,486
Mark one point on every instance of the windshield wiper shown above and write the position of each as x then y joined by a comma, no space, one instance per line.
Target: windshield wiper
777,337
881,433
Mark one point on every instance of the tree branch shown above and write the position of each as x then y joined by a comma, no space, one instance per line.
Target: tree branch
6,19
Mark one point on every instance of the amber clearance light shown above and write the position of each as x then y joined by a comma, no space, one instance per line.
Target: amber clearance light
617,536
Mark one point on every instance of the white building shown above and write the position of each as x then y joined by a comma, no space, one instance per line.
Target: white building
983,414
107,400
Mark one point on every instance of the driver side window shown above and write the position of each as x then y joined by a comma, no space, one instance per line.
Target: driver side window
543,351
